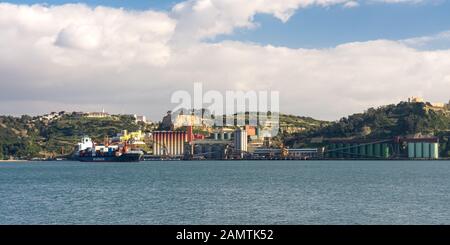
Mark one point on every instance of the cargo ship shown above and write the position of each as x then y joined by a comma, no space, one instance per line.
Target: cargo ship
88,151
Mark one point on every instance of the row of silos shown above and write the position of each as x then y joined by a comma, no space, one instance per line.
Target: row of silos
422,150
223,135
354,150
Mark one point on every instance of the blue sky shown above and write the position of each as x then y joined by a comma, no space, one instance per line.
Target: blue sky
318,27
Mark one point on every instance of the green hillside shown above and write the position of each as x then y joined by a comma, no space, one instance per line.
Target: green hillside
403,119
391,120
302,124
26,137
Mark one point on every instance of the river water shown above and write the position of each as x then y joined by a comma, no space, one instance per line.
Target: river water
226,192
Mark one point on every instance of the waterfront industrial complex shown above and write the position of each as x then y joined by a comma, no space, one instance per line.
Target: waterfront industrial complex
239,144
413,129
175,139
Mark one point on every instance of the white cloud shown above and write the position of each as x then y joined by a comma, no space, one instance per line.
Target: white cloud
198,19
432,42
74,34
72,56
399,1
87,37
324,83
351,4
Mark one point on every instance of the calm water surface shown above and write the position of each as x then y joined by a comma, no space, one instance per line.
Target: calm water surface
223,192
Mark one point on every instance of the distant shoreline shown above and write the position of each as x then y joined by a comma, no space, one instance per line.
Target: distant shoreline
255,160
14,160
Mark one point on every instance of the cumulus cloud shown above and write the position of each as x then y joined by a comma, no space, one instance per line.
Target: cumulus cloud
199,19
75,33
432,42
87,37
351,4
73,57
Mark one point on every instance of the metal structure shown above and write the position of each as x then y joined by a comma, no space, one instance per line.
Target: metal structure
397,148
371,150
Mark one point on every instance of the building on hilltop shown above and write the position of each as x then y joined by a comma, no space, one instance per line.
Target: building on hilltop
140,118
436,106
101,114
415,99
167,123
182,120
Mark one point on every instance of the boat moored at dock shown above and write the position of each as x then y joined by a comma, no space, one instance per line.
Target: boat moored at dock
88,151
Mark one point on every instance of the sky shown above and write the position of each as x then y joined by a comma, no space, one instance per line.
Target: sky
327,58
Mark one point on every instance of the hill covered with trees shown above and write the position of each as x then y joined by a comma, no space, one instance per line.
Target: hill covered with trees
403,119
389,121
27,137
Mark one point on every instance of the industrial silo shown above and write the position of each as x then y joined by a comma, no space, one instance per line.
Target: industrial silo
426,150
327,152
354,151
418,149
340,150
347,150
370,150
362,151
377,150
334,153
434,150
411,150
330,151
385,150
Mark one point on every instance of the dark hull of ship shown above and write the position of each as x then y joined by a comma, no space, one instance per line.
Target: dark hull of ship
122,158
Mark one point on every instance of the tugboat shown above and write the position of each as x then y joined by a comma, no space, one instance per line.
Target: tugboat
88,152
